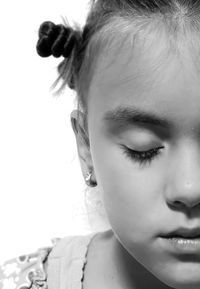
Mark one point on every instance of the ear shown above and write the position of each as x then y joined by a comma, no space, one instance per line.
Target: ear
78,122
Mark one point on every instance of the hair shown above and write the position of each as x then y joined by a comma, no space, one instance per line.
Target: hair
131,17
110,22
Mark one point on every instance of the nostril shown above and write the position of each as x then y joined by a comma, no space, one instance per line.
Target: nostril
180,206
177,204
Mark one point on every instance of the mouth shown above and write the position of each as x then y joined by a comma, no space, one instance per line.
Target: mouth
182,241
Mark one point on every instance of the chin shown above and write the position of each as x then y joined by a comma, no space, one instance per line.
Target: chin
182,280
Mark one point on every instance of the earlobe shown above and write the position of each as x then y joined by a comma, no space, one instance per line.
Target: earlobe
89,181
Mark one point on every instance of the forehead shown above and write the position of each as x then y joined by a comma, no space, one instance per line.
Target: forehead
148,75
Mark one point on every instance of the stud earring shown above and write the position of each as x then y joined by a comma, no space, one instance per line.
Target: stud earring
89,181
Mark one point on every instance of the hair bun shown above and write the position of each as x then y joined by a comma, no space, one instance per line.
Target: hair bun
56,40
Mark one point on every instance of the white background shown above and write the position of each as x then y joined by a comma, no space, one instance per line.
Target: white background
41,184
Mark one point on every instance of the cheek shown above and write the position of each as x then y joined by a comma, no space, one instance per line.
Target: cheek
130,194
128,203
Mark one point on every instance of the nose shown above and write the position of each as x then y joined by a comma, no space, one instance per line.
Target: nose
184,191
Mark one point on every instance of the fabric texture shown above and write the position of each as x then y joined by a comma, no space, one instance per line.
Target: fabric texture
60,266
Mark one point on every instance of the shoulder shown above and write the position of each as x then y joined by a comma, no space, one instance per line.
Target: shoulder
71,246
67,260
26,271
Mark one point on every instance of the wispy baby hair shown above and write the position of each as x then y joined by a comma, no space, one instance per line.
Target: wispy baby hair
109,22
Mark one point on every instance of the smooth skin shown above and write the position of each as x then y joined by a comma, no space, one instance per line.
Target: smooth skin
143,202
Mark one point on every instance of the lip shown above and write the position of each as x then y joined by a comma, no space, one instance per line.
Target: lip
183,232
181,245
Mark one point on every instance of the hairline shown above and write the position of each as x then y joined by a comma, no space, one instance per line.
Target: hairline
107,38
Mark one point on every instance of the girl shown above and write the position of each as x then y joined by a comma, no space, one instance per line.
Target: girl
135,67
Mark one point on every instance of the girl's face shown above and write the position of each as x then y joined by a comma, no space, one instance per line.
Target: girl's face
149,100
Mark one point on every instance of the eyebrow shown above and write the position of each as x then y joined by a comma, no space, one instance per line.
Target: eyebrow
134,116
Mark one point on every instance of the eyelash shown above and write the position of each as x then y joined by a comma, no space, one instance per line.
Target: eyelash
143,157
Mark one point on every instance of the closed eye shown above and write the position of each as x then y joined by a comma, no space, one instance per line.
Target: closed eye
142,157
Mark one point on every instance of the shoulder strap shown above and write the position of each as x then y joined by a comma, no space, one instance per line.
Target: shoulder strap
66,261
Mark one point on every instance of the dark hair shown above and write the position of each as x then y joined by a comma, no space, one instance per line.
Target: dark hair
104,21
